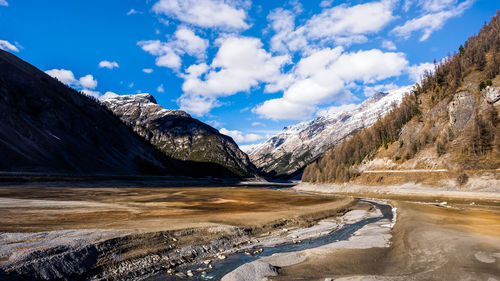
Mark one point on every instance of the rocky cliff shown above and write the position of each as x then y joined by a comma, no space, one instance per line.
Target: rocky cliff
286,154
179,135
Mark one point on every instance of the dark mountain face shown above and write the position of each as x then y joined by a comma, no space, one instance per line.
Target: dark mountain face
48,127
178,135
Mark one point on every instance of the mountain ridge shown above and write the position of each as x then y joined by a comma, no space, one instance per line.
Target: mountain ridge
287,153
178,135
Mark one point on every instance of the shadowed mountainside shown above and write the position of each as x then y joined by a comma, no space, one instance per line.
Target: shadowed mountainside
47,127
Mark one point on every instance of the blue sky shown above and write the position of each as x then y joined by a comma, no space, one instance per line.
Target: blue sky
248,68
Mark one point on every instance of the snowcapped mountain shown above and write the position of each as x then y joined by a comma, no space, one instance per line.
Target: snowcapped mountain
179,135
287,153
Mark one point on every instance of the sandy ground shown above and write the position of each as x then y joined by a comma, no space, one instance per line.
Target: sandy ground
151,209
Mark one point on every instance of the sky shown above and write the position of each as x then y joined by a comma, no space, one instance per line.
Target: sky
246,67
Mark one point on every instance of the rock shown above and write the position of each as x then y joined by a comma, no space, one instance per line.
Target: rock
181,275
207,261
190,273
221,257
170,272
492,94
460,109
256,270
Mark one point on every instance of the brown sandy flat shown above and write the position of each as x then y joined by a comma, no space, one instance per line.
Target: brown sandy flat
151,209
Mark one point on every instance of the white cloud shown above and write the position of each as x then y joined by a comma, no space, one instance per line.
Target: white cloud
389,45
436,5
416,72
341,25
168,54
88,82
147,70
282,109
431,22
91,93
4,3
108,64
65,76
205,13
85,83
7,46
132,12
190,42
160,89
197,104
108,95
165,54
239,65
240,137
322,78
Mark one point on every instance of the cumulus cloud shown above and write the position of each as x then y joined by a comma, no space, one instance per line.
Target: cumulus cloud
239,136
322,78
168,54
205,13
430,22
4,3
85,83
88,82
416,72
165,54
341,25
108,64
240,64
108,95
147,70
65,76
7,46
190,42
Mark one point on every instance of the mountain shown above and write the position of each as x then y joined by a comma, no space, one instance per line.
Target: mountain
179,135
286,154
47,127
449,122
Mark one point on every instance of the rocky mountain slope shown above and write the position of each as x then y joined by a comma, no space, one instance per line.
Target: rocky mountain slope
47,127
286,154
178,135
450,122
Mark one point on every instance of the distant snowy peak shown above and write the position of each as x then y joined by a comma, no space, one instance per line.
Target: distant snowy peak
140,102
295,146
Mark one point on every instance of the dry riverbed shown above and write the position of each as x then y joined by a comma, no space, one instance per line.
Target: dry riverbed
134,232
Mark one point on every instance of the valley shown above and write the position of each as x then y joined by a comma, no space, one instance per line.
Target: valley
282,232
